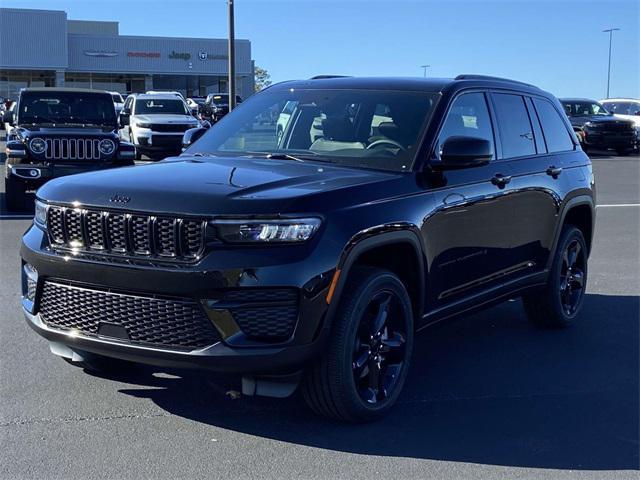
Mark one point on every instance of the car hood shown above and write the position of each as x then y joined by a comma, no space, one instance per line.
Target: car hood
218,186
162,118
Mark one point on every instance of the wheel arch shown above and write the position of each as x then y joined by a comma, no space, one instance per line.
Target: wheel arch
366,248
579,211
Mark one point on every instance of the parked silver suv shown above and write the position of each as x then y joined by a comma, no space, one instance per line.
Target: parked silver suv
155,123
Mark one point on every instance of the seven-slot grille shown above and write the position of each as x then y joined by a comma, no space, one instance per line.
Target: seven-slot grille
72,149
129,234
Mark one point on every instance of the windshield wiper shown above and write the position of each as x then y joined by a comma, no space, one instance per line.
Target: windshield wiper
283,156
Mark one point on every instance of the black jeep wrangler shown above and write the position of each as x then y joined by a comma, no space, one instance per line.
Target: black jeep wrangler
57,132
313,257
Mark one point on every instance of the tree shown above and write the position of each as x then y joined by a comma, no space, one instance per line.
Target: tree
263,79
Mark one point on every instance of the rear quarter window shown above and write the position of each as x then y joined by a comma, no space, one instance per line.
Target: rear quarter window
556,135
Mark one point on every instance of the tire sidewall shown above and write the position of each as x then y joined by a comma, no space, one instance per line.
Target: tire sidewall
568,235
350,320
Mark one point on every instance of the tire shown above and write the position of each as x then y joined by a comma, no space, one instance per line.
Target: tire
622,152
558,303
138,154
15,194
334,386
100,364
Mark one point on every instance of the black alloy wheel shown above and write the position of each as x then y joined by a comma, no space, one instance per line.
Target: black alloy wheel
558,303
361,374
379,348
572,277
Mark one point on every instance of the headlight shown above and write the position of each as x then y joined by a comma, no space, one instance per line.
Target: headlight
266,231
106,146
40,216
143,125
37,145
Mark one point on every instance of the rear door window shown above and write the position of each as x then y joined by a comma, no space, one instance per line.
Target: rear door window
516,132
556,135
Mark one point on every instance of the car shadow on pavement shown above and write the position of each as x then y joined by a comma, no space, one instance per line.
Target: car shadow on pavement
487,389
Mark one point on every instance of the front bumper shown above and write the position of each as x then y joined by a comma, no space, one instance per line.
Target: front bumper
218,357
605,140
236,351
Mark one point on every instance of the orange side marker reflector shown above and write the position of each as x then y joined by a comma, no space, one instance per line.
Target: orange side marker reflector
332,287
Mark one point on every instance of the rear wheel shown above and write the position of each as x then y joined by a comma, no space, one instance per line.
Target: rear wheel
559,302
15,193
361,374
622,151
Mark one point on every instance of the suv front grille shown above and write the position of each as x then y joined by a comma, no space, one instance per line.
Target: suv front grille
170,127
72,149
125,234
172,323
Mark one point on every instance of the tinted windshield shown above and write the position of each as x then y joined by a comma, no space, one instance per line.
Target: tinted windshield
623,108
223,99
580,109
361,128
150,106
66,107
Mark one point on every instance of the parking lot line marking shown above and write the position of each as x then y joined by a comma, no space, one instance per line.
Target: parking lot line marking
619,205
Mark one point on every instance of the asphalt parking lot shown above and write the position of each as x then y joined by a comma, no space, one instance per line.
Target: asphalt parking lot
489,395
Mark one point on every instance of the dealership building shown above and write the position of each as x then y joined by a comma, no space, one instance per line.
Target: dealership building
43,48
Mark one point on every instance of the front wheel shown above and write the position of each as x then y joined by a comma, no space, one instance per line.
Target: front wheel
559,302
622,152
361,374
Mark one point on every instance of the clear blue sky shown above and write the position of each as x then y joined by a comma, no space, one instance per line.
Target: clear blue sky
557,45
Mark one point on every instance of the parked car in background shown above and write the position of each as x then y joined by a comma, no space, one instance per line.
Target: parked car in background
195,104
597,128
216,106
59,132
155,123
314,262
118,101
165,92
10,108
626,108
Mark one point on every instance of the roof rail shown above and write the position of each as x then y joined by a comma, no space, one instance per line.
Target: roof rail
322,77
466,76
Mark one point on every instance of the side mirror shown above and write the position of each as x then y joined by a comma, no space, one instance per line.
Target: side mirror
124,119
637,112
191,135
464,152
7,117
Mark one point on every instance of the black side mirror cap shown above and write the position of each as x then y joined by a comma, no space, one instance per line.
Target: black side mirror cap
464,152
7,117
192,135
124,119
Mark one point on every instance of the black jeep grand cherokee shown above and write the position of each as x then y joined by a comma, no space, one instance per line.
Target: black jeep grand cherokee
57,132
386,205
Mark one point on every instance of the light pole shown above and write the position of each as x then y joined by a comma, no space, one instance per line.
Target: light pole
610,31
424,67
232,58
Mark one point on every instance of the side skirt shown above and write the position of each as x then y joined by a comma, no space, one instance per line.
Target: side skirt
484,299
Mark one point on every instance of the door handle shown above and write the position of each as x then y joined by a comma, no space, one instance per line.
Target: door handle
554,171
500,180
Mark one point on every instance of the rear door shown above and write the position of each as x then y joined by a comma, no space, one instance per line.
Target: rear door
538,146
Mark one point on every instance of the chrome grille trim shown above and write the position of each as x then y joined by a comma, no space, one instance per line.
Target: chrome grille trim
72,149
137,235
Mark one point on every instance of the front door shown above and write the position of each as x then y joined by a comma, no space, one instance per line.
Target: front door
468,238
